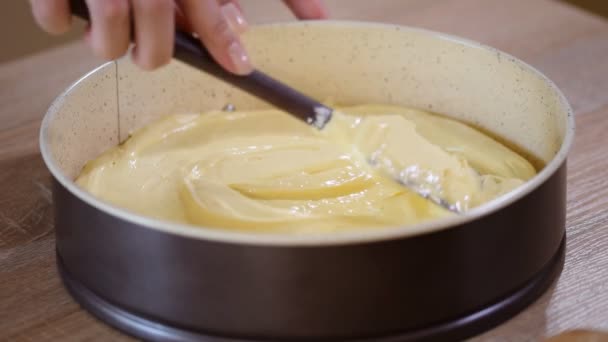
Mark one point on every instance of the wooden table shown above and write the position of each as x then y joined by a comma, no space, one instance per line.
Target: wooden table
570,46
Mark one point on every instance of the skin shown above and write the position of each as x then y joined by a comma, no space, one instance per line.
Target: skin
218,23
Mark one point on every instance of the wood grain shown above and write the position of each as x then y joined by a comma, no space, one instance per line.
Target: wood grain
580,335
569,45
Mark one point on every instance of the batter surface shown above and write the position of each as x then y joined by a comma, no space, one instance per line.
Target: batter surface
268,172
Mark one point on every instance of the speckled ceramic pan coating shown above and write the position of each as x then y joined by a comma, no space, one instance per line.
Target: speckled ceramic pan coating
448,278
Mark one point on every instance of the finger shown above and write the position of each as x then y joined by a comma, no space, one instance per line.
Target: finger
52,15
154,32
231,10
235,2
110,29
216,33
233,13
307,9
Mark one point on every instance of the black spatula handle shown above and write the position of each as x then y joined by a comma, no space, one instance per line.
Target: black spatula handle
189,50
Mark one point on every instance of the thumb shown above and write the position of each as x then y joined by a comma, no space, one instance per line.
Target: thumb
216,31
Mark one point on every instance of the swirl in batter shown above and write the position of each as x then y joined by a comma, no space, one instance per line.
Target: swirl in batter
265,171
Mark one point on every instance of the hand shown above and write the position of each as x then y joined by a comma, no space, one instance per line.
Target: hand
218,23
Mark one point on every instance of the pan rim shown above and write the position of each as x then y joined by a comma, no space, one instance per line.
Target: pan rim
353,236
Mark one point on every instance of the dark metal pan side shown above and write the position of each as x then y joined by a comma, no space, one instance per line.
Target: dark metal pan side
305,292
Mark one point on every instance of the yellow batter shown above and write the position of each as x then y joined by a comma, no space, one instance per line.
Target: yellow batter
268,172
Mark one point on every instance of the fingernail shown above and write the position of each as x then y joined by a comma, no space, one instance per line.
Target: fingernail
234,16
239,58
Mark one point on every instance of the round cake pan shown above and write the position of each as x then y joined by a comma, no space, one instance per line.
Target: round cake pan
440,280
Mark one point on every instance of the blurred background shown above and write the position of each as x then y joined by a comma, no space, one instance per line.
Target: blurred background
16,17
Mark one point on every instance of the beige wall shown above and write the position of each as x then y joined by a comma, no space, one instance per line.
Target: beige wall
19,35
